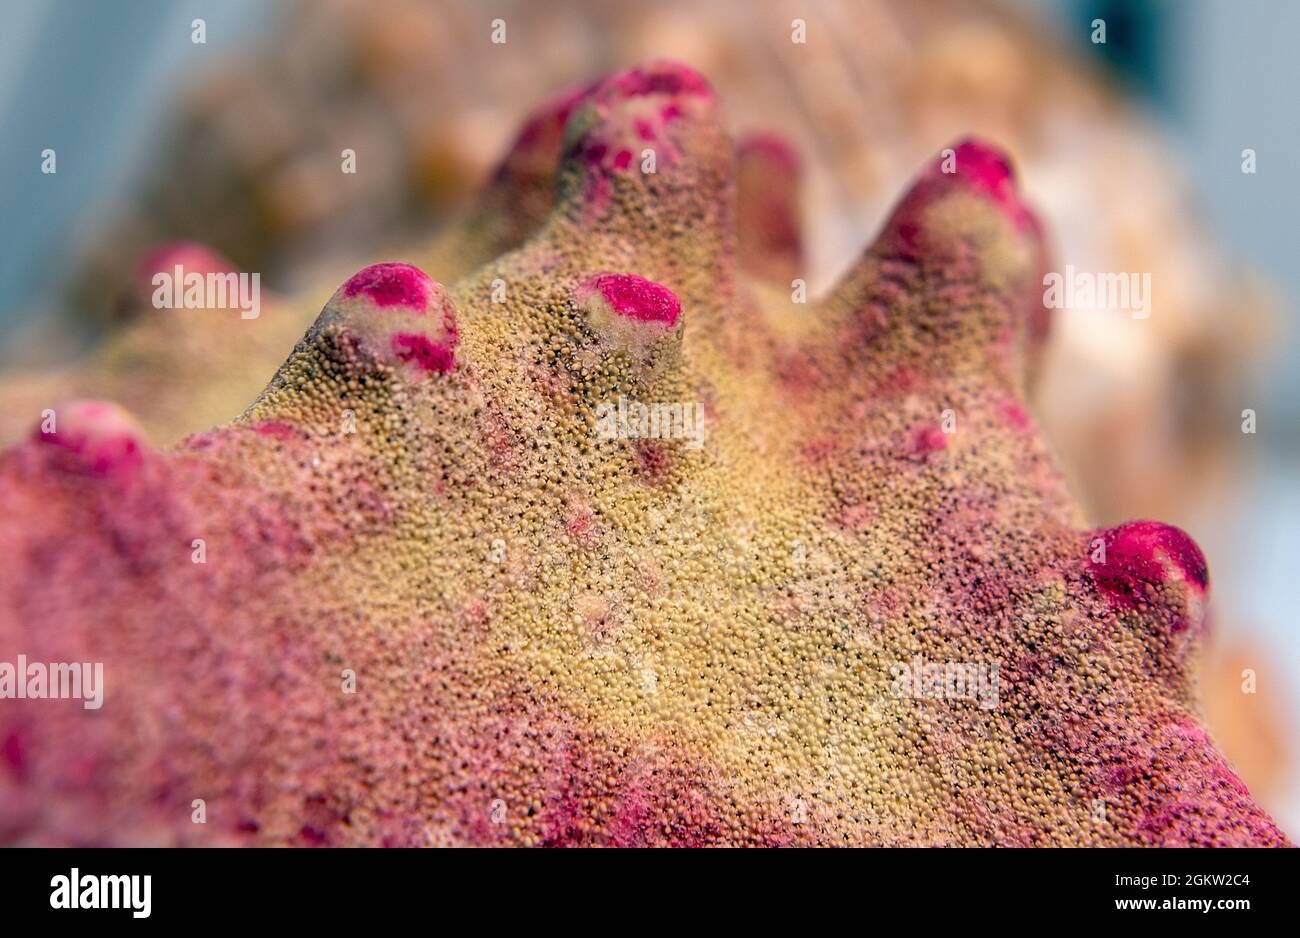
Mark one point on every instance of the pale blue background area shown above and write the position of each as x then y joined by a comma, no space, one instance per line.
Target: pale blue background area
91,80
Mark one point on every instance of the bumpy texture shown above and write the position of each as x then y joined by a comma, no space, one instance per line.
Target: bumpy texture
440,603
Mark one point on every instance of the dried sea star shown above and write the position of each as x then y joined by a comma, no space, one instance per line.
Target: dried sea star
412,596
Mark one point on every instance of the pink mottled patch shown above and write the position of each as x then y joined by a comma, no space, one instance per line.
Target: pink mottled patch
818,452
96,437
628,109
474,616
986,169
1016,416
653,796
899,381
390,285
424,353
581,525
15,754
886,605
855,517
275,428
927,440
661,77
653,460
634,297
798,373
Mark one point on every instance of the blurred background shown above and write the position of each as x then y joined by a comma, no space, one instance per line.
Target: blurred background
1132,148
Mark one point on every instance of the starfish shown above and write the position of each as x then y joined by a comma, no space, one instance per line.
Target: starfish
417,594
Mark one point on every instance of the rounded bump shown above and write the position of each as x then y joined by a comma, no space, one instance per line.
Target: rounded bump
400,315
96,437
386,285
190,256
987,169
963,225
632,297
661,77
652,105
973,167
628,312
1142,559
